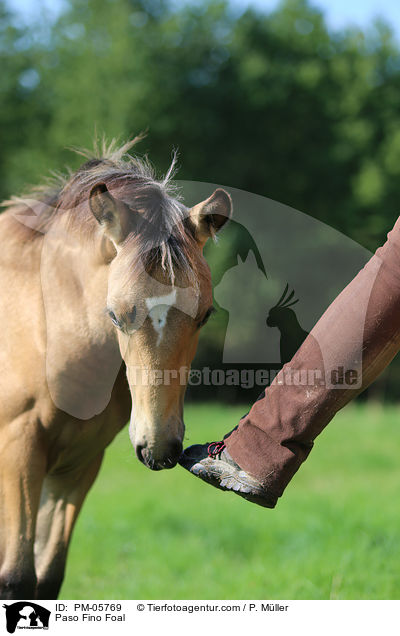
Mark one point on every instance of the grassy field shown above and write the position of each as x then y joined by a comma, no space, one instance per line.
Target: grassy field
167,535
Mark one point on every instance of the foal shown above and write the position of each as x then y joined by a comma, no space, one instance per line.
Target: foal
102,284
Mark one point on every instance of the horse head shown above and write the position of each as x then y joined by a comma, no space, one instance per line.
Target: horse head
159,296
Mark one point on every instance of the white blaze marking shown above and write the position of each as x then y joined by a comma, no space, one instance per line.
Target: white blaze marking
159,307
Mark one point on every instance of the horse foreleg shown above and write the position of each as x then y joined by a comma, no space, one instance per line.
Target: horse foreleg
61,501
22,467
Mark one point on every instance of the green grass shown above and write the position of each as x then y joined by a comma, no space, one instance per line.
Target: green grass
335,533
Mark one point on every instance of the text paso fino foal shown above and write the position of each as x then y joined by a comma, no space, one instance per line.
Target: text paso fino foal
103,267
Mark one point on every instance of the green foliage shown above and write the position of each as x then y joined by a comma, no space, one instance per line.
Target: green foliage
272,103
333,535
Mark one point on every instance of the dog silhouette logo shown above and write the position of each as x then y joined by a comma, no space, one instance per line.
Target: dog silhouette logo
26,615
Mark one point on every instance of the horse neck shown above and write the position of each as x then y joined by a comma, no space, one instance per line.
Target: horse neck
81,343
74,273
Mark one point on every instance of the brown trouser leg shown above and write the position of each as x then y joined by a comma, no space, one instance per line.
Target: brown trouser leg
354,340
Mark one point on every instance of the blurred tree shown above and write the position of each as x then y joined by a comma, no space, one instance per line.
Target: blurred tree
24,113
272,103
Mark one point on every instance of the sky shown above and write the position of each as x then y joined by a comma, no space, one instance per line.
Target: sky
338,13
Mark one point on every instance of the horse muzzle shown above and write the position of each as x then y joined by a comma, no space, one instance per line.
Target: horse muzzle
159,461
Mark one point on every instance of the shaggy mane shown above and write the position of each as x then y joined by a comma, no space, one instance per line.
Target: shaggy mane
164,238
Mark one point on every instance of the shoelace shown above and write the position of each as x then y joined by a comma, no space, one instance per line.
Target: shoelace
215,448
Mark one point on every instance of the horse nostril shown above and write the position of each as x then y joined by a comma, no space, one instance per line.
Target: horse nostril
140,453
144,455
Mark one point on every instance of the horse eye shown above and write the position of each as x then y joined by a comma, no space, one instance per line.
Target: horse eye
114,319
132,315
206,317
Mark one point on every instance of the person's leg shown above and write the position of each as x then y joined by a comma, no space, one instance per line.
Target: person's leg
362,325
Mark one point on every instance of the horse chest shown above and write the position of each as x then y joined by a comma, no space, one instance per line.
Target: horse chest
73,442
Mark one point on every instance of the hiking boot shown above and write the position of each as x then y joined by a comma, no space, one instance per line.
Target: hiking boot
213,464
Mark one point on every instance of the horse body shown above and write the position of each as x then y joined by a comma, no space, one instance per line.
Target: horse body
67,385
48,458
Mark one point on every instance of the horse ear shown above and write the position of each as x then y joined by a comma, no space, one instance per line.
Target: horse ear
106,212
209,216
